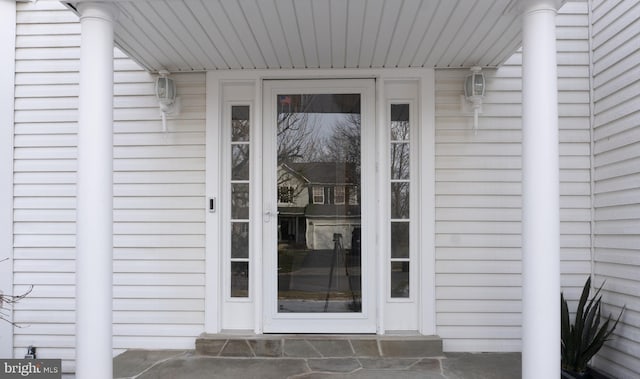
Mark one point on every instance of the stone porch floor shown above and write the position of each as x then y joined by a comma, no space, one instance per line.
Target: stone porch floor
145,364
311,357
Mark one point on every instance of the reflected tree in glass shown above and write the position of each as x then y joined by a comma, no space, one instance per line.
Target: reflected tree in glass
318,146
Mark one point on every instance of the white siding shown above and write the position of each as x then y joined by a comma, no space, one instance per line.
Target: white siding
158,213
616,171
158,204
478,195
44,176
7,89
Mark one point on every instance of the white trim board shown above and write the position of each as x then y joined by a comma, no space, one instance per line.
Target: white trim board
215,82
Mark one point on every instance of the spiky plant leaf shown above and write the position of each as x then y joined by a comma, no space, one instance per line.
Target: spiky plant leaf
589,316
565,326
583,300
581,340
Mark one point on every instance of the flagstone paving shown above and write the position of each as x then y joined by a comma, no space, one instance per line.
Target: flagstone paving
145,364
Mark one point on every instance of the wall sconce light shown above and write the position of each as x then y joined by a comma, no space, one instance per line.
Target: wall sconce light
166,95
474,88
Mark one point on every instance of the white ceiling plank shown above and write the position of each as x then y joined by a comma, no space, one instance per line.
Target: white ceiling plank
164,20
201,13
289,23
503,32
386,30
434,32
246,36
139,25
322,23
138,58
276,33
256,22
373,15
123,46
221,18
355,24
481,31
304,12
183,25
406,21
455,25
125,37
418,31
199,36
138,48
463,24
488,44
505,54
338,32
187,35
512,39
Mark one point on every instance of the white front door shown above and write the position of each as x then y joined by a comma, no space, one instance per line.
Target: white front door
319,195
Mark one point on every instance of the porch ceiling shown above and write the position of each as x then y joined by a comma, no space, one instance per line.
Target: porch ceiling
197,35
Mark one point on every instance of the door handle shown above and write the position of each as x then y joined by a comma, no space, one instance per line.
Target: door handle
268,215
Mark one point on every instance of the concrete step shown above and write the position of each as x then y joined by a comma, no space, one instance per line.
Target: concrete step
319,346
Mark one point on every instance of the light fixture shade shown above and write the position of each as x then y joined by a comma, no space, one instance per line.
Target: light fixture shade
165,90
166,95
474,84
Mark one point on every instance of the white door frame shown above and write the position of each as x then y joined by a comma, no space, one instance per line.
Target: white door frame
213,296
356,322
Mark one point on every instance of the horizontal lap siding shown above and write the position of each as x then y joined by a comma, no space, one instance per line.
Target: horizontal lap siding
616,65
158,196
158,212
478,195
45,166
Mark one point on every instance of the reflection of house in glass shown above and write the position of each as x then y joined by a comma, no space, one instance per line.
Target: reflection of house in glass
317,200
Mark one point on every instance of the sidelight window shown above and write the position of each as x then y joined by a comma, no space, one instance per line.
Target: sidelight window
400,160
239,228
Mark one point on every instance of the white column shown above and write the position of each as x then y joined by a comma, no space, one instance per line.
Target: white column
541,196
7,89
94,194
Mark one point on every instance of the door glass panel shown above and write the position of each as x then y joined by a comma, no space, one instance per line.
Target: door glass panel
318,187
240,201
240,123
239,279
240,162
400,156
400,279
240,239
400,200
400,160
399,239
240,185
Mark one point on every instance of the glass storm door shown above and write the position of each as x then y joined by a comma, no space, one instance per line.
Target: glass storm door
318,203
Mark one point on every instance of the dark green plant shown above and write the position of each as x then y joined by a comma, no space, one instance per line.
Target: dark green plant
581,340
